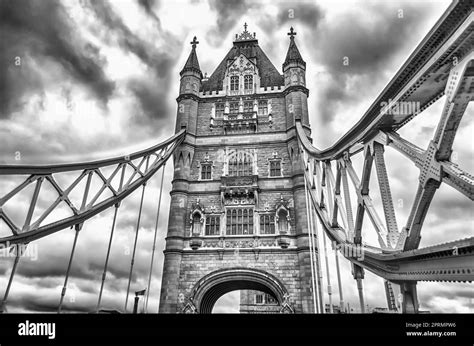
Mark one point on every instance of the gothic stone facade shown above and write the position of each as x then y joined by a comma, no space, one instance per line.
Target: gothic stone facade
255,302
238,197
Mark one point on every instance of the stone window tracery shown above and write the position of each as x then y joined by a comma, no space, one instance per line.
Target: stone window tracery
234,83
234,107
248,106
263,107
213,225
248,82
206,171
239,221
240,164
220,108
275,168
267,224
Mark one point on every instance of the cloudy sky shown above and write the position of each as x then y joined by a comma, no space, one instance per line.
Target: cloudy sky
81,80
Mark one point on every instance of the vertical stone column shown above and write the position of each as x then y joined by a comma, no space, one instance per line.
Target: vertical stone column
174,246
302,243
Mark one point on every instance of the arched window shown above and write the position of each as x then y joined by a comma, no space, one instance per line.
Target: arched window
213,225
240,165
248,82
234,83
239,221
248,106
220,107
267,224
234,107
275,168
262,107
206,170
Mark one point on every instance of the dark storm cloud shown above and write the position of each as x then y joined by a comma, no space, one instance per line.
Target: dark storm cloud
31,303
307,13
228,14
160,61
148,5
39,31
371,47
56,268
151,93
153,97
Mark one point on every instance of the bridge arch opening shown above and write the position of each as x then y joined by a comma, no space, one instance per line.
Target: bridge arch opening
211,287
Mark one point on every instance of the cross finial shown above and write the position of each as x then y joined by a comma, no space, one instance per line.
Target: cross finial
194,42
245,26
292,33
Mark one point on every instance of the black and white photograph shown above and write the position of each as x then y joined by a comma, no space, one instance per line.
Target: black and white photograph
292,162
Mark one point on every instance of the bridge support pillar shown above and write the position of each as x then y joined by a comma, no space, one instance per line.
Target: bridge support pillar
410,297
358,273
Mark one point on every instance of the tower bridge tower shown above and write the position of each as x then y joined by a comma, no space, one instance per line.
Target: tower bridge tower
238,213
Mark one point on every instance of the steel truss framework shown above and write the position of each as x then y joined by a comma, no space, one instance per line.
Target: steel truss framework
443,64
398,258
125,175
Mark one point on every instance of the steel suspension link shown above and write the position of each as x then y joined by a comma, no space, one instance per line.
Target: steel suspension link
154,238
63,291
135,244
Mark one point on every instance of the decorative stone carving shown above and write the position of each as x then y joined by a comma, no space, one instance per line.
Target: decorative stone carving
282,209
195,243
245,35
197,219
239,200
283,242
286,307
189,307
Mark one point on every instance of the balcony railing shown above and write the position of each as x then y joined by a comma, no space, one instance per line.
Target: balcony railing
242,122
241,116
239,181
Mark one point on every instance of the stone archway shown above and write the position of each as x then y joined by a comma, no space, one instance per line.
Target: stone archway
214,285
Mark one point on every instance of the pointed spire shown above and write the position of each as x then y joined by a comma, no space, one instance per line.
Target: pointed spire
293,54
192,64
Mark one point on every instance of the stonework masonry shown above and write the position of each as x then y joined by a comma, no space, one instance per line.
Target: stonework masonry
242,225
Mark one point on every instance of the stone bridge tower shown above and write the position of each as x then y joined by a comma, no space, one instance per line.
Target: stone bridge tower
238,213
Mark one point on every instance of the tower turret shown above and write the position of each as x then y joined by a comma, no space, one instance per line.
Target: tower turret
190,84
191,74
294,71
294,67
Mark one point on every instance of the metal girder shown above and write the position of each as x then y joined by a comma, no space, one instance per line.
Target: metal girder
365,203
387,200
453,261
458,94
420,79
458,179
90,205
451,173
338,205
407,264
424,196
347,200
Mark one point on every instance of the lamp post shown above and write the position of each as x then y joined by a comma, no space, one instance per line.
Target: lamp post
137,298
